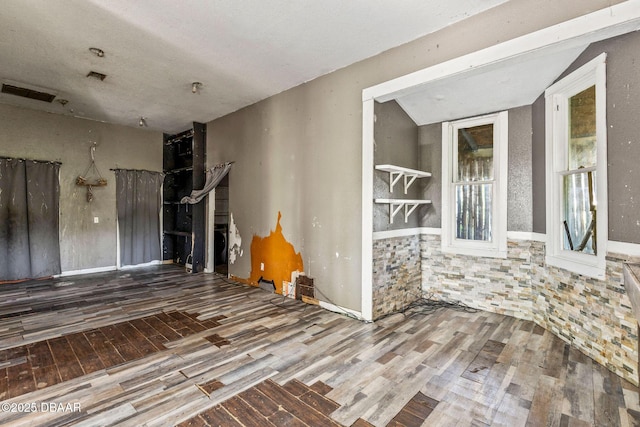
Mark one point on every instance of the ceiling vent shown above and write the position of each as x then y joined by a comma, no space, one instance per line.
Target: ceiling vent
27,93
97,75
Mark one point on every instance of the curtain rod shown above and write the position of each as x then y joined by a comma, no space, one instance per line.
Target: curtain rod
53,162
135,170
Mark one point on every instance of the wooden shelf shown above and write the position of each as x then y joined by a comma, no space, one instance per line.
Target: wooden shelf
397,172
185,169
178,233
395,205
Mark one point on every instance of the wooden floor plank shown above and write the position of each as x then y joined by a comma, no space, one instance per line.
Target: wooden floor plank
66,361
105,350
245,414
87,357
133,347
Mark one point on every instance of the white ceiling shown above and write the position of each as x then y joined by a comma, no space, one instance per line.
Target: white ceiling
241,50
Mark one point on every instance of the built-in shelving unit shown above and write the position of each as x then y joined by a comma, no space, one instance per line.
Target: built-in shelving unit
184,224
395,205
398,172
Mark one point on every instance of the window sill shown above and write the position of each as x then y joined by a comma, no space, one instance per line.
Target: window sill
588,269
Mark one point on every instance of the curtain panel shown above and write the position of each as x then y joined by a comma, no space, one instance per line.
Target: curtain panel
139,202
213,177
29,219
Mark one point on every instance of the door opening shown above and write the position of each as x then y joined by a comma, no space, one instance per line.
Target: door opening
221,227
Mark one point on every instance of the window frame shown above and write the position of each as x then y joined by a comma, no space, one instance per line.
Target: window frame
557,96
497,247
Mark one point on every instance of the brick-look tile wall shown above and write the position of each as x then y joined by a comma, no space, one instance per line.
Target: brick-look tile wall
593,315
492,284
396,274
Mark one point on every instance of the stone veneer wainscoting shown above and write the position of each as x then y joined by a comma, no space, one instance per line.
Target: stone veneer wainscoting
396,274
593,315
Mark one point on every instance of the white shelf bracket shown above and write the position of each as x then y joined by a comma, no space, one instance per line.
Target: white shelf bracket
394,177
409,210
407,183
394,211
395,205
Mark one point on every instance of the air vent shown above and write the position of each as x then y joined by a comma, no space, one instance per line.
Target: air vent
97,75
27,93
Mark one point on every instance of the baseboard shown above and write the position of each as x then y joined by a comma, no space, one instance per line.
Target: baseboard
105,269
86,271
341,310
146,264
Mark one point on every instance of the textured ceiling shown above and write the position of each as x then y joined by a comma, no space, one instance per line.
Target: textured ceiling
241,50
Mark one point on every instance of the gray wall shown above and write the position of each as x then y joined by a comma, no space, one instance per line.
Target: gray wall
623,136
430,137
34,135
396,143
300,152
519,190
537,161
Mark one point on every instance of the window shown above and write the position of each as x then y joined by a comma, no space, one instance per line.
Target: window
474,176
576,171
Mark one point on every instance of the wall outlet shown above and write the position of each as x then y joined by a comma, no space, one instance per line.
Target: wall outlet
262,266
96,220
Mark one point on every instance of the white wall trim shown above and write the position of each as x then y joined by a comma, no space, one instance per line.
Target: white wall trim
145,264
342,310
367,209
632,249
86,271
415,231
431,231
390,234
109,268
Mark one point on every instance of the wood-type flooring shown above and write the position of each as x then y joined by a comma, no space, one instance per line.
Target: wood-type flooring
158,347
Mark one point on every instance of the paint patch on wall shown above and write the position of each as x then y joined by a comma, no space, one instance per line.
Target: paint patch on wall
273,258
235,241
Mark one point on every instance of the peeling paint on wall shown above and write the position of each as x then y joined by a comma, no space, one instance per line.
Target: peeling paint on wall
235,241
273,258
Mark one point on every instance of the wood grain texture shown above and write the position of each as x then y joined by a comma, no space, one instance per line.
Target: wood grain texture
158,347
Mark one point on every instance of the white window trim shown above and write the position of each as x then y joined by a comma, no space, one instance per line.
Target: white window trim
497,247
594,72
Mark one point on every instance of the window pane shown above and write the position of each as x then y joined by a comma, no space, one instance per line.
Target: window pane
473,211
580,212
582,129
475,153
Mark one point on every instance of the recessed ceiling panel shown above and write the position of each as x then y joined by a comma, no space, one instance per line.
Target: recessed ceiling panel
510,83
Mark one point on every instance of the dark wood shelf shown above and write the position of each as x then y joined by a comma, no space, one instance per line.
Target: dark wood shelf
178,233
180,170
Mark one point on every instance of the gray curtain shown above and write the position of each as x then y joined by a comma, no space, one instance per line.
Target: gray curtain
29,206
139,200
213,177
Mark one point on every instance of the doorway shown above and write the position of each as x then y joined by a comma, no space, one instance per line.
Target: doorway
221,228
